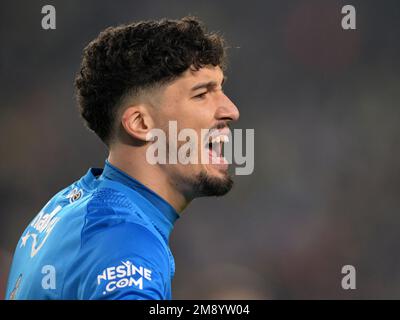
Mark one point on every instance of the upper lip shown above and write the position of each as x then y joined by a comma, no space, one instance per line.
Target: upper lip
217,136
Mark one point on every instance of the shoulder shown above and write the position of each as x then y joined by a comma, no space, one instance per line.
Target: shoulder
109,209
120,252
123,260
114,220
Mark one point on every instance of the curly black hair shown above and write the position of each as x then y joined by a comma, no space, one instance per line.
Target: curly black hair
128,58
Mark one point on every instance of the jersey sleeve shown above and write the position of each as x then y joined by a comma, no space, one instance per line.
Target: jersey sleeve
121,261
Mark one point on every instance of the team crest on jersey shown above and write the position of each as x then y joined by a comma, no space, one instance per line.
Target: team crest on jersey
16,287
123,275
74,195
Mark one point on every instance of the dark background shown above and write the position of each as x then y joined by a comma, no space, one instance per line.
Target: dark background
324,103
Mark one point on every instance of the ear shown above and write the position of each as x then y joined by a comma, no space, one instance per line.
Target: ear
137,122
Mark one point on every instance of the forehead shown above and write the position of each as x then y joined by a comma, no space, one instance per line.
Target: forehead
190,78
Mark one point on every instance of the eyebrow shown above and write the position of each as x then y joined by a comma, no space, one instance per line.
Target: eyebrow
208,84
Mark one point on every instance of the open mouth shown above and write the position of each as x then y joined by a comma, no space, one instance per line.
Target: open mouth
215,147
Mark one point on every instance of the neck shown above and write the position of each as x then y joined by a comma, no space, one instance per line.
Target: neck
152,176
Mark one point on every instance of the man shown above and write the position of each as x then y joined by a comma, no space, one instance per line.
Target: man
106,236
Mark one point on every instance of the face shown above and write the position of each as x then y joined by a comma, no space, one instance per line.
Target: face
196,100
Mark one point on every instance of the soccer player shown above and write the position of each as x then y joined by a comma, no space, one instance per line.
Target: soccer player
106,235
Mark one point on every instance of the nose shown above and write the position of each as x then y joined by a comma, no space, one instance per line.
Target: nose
226,110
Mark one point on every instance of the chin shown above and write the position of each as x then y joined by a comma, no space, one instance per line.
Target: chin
208,185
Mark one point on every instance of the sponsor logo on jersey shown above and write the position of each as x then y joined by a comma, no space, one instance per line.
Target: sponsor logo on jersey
123,275
42,226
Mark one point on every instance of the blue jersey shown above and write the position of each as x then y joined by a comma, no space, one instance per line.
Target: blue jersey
104,237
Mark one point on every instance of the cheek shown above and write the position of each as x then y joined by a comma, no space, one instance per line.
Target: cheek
196,117
187,113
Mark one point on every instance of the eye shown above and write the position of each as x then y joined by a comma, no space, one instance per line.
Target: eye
201,95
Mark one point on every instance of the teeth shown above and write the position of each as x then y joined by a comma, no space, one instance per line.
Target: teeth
215,147
219,139
224,139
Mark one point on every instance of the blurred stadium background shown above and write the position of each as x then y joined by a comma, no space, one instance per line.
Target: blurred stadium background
324,104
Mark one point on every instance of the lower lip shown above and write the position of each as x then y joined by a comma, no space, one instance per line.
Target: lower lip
218,162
